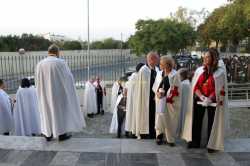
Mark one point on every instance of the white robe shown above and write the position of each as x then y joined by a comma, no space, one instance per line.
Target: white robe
26,114
142,101
167,115
6,119
185,90
114,123
90,102
114,95
130,102
57,100
216,140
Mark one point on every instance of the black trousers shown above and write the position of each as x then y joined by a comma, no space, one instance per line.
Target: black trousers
198,116
121,114
99,103
152,134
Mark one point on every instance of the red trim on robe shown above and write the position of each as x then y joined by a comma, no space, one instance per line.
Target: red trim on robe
173,93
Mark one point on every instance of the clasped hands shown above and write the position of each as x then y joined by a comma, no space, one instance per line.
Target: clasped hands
206,101
160,93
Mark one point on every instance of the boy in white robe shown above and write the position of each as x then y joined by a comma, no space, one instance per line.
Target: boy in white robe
90,102
114,94
185,90
26,115
6,119
114,122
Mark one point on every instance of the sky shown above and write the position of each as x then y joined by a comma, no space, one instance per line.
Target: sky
108,18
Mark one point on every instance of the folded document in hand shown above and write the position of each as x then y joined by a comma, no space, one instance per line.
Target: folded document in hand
206,104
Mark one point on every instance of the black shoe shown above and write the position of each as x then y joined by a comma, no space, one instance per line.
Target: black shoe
64,137
133,136
171,144
191,145
118,136
48,139
102,112
90,115
211,150
7,133
159,141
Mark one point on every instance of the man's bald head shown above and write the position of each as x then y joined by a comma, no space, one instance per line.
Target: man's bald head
152,59
53,50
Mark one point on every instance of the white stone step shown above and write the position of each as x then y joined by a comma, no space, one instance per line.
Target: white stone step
110,145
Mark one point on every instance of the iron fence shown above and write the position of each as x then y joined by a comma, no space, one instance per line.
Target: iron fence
109,65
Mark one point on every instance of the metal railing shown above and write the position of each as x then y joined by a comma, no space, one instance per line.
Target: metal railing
239,92
109,65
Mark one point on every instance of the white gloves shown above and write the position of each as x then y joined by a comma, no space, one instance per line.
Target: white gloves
206,101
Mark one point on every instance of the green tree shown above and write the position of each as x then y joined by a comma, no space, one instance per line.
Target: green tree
72,45
161,36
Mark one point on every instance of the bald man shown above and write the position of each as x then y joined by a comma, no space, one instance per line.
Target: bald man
57,100
144,98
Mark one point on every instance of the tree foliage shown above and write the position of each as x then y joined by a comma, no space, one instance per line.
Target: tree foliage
161,35
27,41
228,24
108,43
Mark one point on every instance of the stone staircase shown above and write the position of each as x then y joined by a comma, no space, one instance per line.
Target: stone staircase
25,151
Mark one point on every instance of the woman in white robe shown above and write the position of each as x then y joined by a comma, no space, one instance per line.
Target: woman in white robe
216,139
26,115
6,119
90,102
166,113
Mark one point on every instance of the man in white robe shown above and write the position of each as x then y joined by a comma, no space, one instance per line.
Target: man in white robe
26,114
144,98
6,119
57,100
90,102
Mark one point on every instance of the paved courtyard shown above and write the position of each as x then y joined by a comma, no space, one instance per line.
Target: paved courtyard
35,151
94,146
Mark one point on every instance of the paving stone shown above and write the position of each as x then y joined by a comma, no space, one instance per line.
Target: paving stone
140,159
241,157
65,158
39,158
170,160
196,159
16,157
3,153
91,159
221,159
